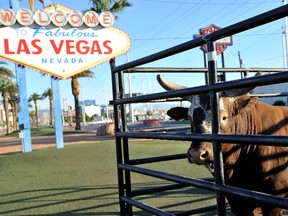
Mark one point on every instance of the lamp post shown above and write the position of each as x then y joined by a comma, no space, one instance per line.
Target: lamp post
131,112
285,40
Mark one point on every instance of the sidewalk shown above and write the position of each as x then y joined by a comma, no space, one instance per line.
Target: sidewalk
14,144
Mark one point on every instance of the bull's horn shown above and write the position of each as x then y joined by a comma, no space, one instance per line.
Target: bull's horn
167,85
239,92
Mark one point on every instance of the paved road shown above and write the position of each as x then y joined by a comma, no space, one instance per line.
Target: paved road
13,144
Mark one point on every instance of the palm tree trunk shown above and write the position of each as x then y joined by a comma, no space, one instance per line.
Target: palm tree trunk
32,117
14,114
77,113
6,108
51,112
75,85
36,113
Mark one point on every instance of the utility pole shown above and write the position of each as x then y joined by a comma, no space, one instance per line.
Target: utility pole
285,40
107,111
285,44
241,63
131,112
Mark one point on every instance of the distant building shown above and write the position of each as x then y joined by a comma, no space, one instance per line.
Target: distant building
90,108
133,95
88,103
93,110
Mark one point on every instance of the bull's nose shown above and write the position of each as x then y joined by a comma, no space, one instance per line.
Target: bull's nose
197,156
204,155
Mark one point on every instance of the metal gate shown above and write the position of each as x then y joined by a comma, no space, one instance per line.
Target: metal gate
127,166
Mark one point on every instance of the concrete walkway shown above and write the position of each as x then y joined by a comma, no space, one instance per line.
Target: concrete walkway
14,144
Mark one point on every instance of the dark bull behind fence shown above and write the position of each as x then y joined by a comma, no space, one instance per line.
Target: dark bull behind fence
253,167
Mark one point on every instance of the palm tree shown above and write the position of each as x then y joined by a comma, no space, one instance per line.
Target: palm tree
4,88
5,82
6,74
32,116
114,6
48,93
13,101
35,97
75,85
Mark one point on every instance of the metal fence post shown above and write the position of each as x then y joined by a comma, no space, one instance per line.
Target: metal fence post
218,164
125,143
120,173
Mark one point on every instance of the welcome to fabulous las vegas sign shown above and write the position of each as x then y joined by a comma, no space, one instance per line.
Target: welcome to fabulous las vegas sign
59,41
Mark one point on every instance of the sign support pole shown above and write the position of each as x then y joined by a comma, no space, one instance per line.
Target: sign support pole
23,113
56,104
57,113
24,121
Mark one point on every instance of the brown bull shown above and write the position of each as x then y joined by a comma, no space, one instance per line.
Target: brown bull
253,167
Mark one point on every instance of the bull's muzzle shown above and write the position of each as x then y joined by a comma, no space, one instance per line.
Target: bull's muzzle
197,156
201,154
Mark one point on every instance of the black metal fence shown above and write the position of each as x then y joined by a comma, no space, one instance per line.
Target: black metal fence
126,166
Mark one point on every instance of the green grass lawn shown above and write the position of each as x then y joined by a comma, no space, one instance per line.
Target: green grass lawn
82,180
43,132
179,122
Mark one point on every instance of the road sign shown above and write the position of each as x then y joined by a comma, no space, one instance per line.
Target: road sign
221,44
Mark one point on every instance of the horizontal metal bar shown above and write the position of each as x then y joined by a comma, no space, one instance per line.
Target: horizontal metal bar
254,195
241,83
162,54
172,128
253,22
157,159
145,207
250,23
266,140
247,194
168,176
200,70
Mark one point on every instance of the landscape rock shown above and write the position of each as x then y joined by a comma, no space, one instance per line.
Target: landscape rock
107,129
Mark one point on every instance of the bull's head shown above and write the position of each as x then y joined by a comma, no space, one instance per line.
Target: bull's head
230,105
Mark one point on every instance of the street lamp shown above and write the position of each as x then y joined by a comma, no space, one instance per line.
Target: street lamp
131,112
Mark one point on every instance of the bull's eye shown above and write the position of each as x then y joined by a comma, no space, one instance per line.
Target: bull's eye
224,118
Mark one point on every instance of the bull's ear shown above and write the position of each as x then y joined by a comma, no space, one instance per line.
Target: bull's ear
236,92
244,103
239,92
178,113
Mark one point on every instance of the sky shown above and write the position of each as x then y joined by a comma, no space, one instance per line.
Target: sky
155,25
